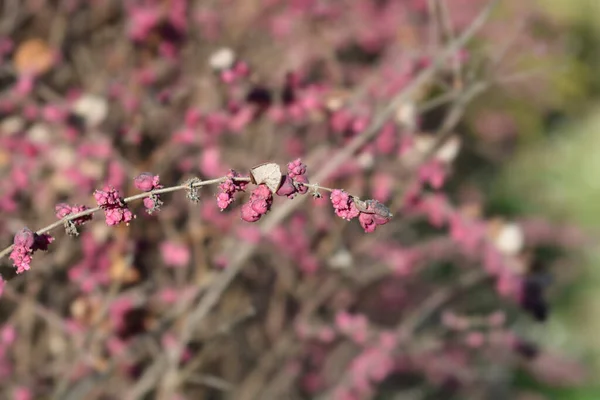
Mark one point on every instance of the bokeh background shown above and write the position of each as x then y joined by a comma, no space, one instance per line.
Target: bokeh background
96,92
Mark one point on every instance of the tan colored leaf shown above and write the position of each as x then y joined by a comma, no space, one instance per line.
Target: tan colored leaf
34,56
269,174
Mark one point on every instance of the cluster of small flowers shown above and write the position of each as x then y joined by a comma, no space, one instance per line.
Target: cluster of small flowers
115,209
228,188
343,205
147,182
371,214
26,243
63,209
292,183
259,204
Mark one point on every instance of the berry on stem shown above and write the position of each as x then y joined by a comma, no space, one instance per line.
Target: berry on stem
26,243
115,209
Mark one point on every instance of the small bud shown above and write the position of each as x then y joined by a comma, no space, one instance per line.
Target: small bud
25,238
146,182
62,210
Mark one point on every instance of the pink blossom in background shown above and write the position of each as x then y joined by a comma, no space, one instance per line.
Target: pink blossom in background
118,311
497,319
116,346
436,208
169,295
54,113
340,121
475,340
211,162
142,21
250,234
116,174
175,254
6,46
242,118
355,326
22,393
24,85
433,173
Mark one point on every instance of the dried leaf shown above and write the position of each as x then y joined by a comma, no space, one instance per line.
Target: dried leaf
33,56
269,174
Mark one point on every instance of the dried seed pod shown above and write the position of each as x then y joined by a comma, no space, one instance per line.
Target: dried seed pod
372,207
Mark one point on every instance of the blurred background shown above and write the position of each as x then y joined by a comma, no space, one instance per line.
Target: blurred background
485,284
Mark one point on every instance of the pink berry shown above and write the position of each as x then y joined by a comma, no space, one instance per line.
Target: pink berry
25,238
62,210
146,182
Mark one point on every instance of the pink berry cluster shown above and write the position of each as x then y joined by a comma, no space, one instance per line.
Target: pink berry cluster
292,183
259,204
26,243
370,213
228,188
147,182
343,205
373,215
63,209
115,209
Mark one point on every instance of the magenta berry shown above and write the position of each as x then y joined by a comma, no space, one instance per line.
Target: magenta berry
370,221
146,182
296,168
300,180
62,210
287,188
115,209
259,204
26,243
228,188
25,238
343,205
294,181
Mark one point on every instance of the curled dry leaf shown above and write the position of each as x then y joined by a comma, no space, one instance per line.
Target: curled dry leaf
269,174
34,56
372,207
